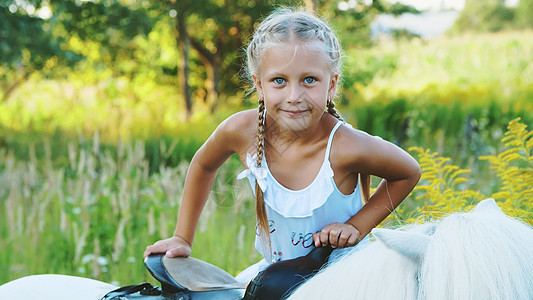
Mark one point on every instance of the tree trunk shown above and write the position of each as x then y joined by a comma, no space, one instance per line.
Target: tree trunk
212,64
216,80
8,91
209,83
311,6
183,42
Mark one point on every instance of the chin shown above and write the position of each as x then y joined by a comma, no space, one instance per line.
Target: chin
295,124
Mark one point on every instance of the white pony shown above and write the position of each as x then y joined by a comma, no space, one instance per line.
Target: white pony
57,287
479,255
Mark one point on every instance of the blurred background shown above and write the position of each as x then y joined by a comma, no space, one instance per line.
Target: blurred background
104,102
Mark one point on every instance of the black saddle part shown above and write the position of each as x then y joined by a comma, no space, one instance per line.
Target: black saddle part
143,291
154,265
279,279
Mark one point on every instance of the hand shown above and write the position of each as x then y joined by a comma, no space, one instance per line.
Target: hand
338,235
172,247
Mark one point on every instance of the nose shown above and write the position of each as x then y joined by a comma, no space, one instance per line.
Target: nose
296,93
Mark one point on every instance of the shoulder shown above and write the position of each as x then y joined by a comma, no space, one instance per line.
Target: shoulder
237,131
347,139
357,151
238,120
354,147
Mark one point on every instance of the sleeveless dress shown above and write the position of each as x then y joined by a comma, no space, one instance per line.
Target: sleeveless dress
295,215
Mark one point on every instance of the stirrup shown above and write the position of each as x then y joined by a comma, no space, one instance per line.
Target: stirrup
138,290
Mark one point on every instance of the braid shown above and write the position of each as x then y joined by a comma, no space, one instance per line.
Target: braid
332,111
260,131
264,230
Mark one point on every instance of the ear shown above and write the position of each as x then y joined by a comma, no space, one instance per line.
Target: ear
333,85
409,244
488,206
258,85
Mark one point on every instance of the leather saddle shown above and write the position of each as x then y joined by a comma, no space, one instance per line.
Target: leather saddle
182,278
188,278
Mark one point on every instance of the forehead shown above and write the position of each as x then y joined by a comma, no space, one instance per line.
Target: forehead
295,56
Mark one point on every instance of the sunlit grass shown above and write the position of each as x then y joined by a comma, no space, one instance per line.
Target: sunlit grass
94,216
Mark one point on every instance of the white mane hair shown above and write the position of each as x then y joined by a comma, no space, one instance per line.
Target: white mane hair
482,254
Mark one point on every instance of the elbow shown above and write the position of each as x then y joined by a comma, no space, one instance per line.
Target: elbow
416,173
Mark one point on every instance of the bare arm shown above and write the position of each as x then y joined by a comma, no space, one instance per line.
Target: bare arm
204,166
400,173
372,156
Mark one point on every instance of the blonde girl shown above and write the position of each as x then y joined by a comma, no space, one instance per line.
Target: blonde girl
306,166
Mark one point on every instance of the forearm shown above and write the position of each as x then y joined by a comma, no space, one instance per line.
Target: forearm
196,191
385,199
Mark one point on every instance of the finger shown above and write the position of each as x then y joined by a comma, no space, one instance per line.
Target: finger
324,237
155,248
334,238
179,251
171,253
352,240
148,251
343,238
316,239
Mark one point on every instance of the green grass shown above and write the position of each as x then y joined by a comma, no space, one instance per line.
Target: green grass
94,216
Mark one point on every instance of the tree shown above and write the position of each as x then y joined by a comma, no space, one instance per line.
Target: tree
217,32
524,14
27,46
31,44
110,24
488,15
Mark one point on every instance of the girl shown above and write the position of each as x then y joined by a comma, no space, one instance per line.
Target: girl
303,162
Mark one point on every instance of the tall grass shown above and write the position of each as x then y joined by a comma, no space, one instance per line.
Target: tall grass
94,216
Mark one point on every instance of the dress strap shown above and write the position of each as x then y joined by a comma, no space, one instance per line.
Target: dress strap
330,140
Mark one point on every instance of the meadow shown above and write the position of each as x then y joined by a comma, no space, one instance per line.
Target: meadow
89,178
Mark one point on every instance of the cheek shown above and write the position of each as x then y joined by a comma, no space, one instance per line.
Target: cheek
273,98
319,100
270,106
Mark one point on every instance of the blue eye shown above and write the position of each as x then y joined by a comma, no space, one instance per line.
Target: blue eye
309,80
279,80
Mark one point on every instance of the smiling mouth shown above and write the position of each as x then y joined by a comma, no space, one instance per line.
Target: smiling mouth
295,113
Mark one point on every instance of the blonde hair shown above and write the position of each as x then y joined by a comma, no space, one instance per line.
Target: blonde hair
284,26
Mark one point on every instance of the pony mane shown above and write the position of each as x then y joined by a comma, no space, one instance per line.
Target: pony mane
374,272
478,255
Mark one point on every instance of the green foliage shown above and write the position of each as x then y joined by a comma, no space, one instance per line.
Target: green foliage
489,15
27,46
442,185
452,95
109,23
494,15
514,167
445,187
524,14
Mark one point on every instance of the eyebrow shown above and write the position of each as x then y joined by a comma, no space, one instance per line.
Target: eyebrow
305,74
